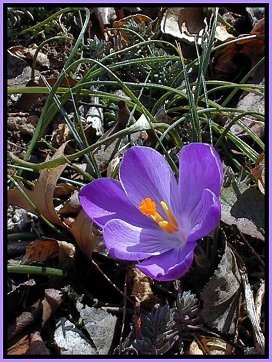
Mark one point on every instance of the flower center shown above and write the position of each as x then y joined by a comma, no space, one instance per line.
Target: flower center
148,207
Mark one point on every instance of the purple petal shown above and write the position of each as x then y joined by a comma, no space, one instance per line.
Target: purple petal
169,266
199,168
128,242
145,173
104,199
205,217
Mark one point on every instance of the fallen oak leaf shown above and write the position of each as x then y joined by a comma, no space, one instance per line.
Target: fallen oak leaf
42,195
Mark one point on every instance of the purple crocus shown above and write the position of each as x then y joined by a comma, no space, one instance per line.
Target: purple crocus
149,216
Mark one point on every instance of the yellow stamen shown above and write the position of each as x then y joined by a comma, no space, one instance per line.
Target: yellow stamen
148,207
169,214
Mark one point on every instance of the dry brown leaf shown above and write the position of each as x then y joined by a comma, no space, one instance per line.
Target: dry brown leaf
52,300
20,347
71,206
141,290
37,345
82,230
44,249
42,195
230,60
63,189
254,48
24,320
259,172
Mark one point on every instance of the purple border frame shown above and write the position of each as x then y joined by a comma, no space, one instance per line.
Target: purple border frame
2,159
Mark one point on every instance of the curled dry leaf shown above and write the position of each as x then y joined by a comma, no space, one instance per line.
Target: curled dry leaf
82,230
28,53
183,23
187,23
44,249
216,346
210,346
63,189
71,206
252,312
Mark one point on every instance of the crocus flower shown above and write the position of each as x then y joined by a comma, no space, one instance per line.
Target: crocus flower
149,217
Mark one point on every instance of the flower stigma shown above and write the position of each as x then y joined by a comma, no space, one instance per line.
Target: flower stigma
148,207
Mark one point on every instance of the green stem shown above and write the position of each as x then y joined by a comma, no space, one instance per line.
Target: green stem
38,270
22,236
46,21
63,159
42,119
230,96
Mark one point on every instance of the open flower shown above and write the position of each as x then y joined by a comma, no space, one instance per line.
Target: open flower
149,216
